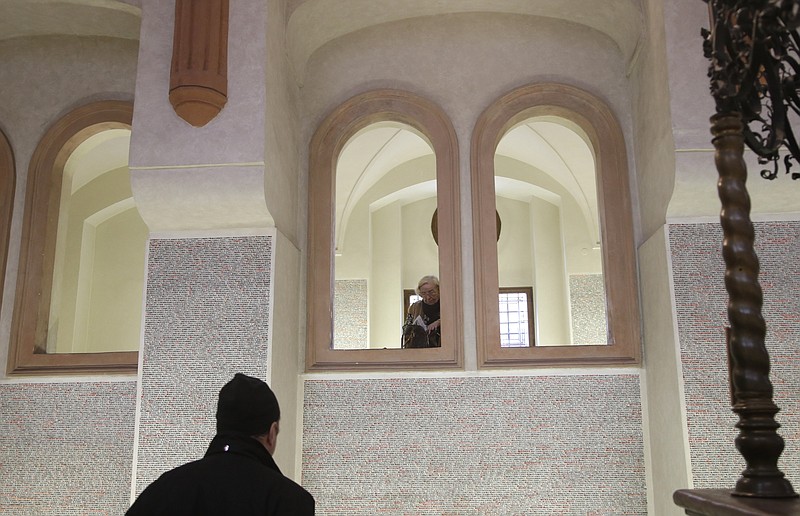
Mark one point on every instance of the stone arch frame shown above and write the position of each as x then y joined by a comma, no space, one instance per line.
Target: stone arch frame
37,249
7,186
328,140
599,125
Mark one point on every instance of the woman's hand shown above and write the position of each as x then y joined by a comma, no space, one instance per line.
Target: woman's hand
434,325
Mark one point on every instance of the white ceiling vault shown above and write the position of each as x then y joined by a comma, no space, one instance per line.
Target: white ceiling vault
545,143
117,19
313,23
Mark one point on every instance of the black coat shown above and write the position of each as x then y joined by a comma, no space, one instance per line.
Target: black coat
237,476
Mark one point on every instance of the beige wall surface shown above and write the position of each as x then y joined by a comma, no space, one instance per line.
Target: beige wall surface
160,138
284,184
666,444
653,146
463,62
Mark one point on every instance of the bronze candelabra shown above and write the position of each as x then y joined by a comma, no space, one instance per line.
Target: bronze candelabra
755,79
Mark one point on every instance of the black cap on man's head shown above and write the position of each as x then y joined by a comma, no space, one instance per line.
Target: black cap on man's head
246,405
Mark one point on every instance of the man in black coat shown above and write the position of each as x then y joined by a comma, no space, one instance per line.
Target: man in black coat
237,476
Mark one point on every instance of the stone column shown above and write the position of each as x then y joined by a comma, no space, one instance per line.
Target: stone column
216,258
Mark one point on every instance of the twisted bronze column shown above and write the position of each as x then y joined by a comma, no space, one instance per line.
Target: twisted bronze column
751,389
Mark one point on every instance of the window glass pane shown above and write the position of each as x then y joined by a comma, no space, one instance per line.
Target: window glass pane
98,274
546,198
385,202
515,317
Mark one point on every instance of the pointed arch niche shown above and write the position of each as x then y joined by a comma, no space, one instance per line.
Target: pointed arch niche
328,142
57,270
7,185
591,118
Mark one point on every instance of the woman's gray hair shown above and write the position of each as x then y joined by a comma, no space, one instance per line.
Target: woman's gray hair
433,280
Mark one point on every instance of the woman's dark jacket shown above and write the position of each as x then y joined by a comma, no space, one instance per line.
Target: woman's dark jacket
237,476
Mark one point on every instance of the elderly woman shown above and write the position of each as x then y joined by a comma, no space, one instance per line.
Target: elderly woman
422,328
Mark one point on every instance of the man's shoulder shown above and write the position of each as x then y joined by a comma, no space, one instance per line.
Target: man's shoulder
294,499
201,483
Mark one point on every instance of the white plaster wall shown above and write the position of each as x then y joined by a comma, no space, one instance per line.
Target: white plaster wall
354,260
284,186
44,78
463,62
187,177
550,279
420,252
160,138
114,313
696,194
315,22
690,100
666,443
287,355
99,276
654,146
90,18
515,259
577,240
654,149
691,105
385,272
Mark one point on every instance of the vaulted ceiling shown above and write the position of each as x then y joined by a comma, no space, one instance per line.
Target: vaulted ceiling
313,23
543,143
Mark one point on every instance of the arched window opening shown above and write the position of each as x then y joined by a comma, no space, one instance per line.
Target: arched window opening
79,288
380,165
546,197
538,155
385,200
98,273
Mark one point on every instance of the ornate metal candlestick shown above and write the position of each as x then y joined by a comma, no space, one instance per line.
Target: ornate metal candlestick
753,48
